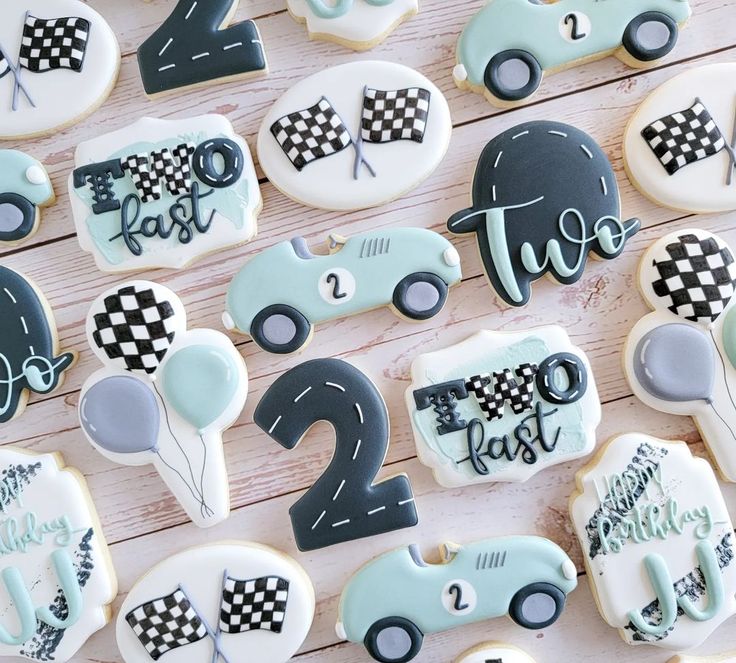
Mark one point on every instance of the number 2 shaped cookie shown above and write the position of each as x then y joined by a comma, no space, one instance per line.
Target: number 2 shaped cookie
344,504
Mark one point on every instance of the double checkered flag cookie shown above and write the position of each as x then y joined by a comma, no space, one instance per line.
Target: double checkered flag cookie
251,605
493,391
173,167
57,43
390,115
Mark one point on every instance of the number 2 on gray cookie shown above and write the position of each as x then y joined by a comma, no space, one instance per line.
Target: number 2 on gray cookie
344,504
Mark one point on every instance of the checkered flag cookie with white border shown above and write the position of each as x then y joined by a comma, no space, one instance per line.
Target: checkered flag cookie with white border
390,115
311,134
166,623
697,277
134,330
494,391
173,167
684,137
57,43
251,605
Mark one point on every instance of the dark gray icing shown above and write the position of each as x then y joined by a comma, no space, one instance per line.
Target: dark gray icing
17,217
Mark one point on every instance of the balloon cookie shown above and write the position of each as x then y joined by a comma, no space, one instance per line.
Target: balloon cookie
509,45
502,406
246,603
657,542
679,144
346,502
357,24
162,193
59,61
58,580
680,358
354,136
408,269
165,395
29,350
25,188
196,46
395,600
495,652
544,197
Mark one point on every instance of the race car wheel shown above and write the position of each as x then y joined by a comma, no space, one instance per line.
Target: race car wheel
650,36
393,640
17,217
513,75
280,329
537,605
420,296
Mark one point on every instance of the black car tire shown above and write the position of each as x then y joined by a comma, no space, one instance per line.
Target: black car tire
411,291
639,50
495,75
27,216
519,609
396,632
264,332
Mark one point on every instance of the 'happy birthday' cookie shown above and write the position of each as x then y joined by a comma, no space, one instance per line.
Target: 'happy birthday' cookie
495,652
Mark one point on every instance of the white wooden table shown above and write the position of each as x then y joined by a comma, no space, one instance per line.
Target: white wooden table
144,524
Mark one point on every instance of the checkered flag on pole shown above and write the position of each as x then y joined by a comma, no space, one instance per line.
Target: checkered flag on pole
173,167
57,43
698,278
493,392
251,605
390,115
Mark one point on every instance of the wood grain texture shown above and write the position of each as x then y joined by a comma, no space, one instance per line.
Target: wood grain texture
144,523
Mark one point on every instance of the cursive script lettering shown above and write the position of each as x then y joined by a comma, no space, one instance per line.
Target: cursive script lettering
17,534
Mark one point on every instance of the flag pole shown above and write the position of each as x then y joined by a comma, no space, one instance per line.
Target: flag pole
215,653
358,144
208,628
15,70
731,155
19,70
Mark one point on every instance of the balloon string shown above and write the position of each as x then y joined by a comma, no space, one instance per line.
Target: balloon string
730,430
204,465
175,471
723,365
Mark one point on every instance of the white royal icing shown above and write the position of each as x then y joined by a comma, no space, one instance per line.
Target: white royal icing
495,651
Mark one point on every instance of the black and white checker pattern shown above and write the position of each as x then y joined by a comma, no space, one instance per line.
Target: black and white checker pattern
390,115
135,330
57,43
147,171
166,623
4,65
698,278
311,134
684,137
250,605
494,391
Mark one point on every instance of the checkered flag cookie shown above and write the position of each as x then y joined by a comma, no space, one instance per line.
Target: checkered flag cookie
166,623
57,43
174,168
493,392
311,134
251,605
134,330
390,115
684,138
698,278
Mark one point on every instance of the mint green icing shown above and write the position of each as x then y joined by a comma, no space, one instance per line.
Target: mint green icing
661,580
729,335
13,167
340,7
714,590
20,599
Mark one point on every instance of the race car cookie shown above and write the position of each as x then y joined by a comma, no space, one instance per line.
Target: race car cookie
502,406
162,193
495,652
409,269
357,24
398,598
544,197
59,61
58,580
509,45
681,358
165,395
355,136
246,603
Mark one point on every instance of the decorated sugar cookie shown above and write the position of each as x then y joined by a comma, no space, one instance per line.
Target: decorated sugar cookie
398,598
162,193
679,145
495,652
544,197
509,45
196,46
354,136
408,269
717,658
246,603
502,406
59,61
357,24
57,577
25,188
30,360
680,358
346,502
657,541
165,395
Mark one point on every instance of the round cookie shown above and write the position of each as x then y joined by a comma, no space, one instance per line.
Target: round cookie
495,652
657,540
544,196
679,144
355,136
356,24
246,603
59,61
57,575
